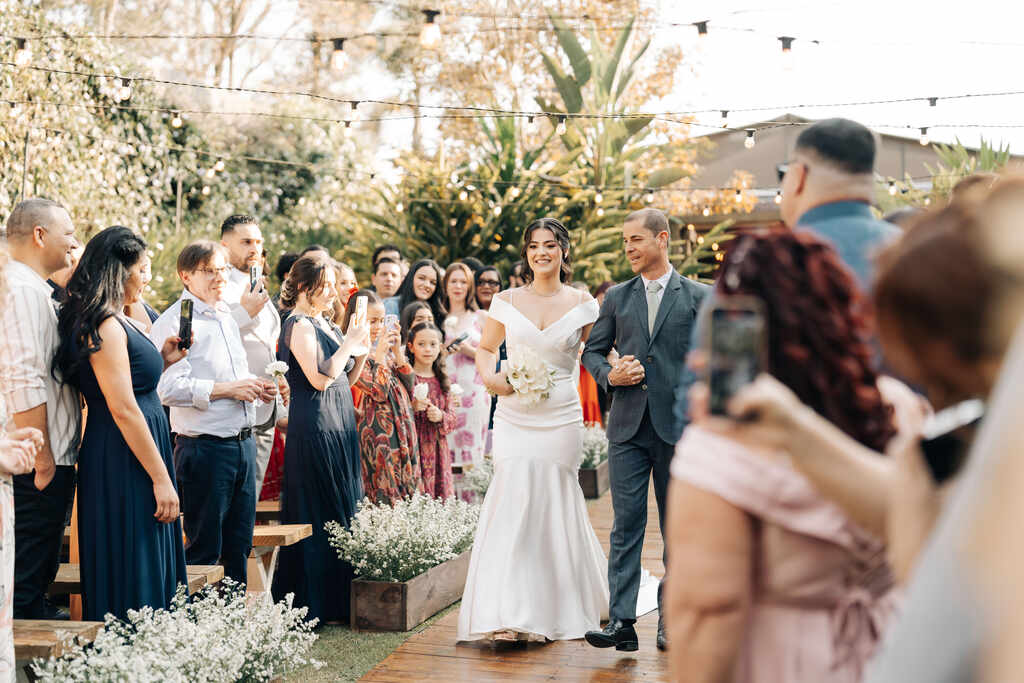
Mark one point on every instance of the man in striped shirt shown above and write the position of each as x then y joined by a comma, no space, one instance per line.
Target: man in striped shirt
41,239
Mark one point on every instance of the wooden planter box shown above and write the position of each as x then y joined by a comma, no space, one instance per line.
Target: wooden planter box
385,606
596,481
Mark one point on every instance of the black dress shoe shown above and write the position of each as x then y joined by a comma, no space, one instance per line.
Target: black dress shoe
662,640
617,633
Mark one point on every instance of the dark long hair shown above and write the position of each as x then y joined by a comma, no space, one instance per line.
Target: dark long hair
438,365
94,293
561,236
307,274
470,302
407,315
406,295
818,330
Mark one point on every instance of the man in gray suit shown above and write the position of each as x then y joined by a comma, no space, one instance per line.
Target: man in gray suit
648,321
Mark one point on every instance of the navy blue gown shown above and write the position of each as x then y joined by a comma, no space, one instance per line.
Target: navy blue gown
322,483
128,559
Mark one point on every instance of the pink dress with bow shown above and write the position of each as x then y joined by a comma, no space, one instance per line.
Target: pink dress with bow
822,592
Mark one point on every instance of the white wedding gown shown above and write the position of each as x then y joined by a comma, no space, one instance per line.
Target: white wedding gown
537,566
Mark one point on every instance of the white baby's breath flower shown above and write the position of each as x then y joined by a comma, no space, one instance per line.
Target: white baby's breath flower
277,368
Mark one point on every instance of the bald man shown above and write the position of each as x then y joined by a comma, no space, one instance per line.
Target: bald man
41,240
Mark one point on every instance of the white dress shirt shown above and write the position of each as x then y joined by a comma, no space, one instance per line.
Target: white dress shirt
28,318
259,334
217,355
663,281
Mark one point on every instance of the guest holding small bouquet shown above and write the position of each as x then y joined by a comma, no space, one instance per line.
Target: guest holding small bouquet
387,428
435,414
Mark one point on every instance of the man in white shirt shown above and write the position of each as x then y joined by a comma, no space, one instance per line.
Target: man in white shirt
41,238
213,399
257,318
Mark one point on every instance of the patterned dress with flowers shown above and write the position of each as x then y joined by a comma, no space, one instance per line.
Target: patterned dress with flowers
469,438
435,458
387,433
8,671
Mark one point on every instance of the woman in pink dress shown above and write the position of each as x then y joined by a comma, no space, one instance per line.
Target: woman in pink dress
769,580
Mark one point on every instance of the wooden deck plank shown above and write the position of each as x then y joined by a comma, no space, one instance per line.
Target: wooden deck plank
433,655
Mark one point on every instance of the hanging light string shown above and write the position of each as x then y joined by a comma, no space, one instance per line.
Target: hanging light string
513,112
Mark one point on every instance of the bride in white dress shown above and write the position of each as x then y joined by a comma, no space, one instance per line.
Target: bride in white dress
537,569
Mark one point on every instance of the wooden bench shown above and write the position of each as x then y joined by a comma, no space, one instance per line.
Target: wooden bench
69,578
268,511
39,638
266,542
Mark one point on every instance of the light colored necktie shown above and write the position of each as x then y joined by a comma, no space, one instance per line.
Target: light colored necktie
652,305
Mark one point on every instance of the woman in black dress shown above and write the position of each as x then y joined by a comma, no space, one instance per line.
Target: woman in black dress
129,533
322,469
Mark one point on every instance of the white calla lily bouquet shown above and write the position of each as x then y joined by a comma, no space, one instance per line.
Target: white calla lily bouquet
530,376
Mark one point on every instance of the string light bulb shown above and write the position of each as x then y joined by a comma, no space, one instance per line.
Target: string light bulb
749,142
933,101
399,207
531,123
738,196
219,166
892,188
707,211
650,197
124,90
600,211
787,43
561,129
924,136
725,118
778,196
497,210
176,121
22,53
206,190
714,246
702,28
430,36
598,198
339,59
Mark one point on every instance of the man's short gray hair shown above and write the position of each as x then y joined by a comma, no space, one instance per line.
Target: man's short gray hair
30,213
652,219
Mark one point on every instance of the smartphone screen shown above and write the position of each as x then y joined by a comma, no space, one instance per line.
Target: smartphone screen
185,324
359,317
391,322
254,277
736,350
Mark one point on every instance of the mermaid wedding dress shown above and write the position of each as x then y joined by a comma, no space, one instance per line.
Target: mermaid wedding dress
537,567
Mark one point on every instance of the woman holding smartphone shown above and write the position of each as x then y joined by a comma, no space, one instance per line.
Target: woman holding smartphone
387,424
769,579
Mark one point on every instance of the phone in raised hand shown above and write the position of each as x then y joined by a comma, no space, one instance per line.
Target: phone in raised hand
737,343
185,325
254,277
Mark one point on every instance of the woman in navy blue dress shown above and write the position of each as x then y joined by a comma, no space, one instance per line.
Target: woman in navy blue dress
130,544
322,469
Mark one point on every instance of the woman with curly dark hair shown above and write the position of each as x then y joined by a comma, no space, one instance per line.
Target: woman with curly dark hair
771,580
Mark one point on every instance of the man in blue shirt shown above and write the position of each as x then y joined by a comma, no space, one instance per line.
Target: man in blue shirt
827,189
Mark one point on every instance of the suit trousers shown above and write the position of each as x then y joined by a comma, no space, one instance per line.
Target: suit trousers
217,487
631,464
39,520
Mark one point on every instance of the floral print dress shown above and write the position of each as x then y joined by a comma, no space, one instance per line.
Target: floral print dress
387,433
468,441
8,670
435,457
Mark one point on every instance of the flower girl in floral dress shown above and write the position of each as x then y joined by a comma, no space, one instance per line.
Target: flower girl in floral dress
435,412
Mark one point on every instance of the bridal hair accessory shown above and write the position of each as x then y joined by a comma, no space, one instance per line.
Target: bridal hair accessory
531,378
276,369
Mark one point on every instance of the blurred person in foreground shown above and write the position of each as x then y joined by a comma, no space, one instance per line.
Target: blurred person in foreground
18,449
41,240
770,580
214,400
129,531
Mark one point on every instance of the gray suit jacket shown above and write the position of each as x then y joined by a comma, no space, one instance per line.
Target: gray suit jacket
622,325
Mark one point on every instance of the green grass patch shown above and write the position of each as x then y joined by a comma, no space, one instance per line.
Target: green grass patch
348,655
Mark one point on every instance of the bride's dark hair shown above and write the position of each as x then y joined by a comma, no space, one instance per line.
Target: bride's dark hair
561,236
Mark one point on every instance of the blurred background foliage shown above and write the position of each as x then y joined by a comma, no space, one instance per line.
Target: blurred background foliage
467,190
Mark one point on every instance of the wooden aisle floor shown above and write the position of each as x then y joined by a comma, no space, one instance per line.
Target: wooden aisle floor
433,655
